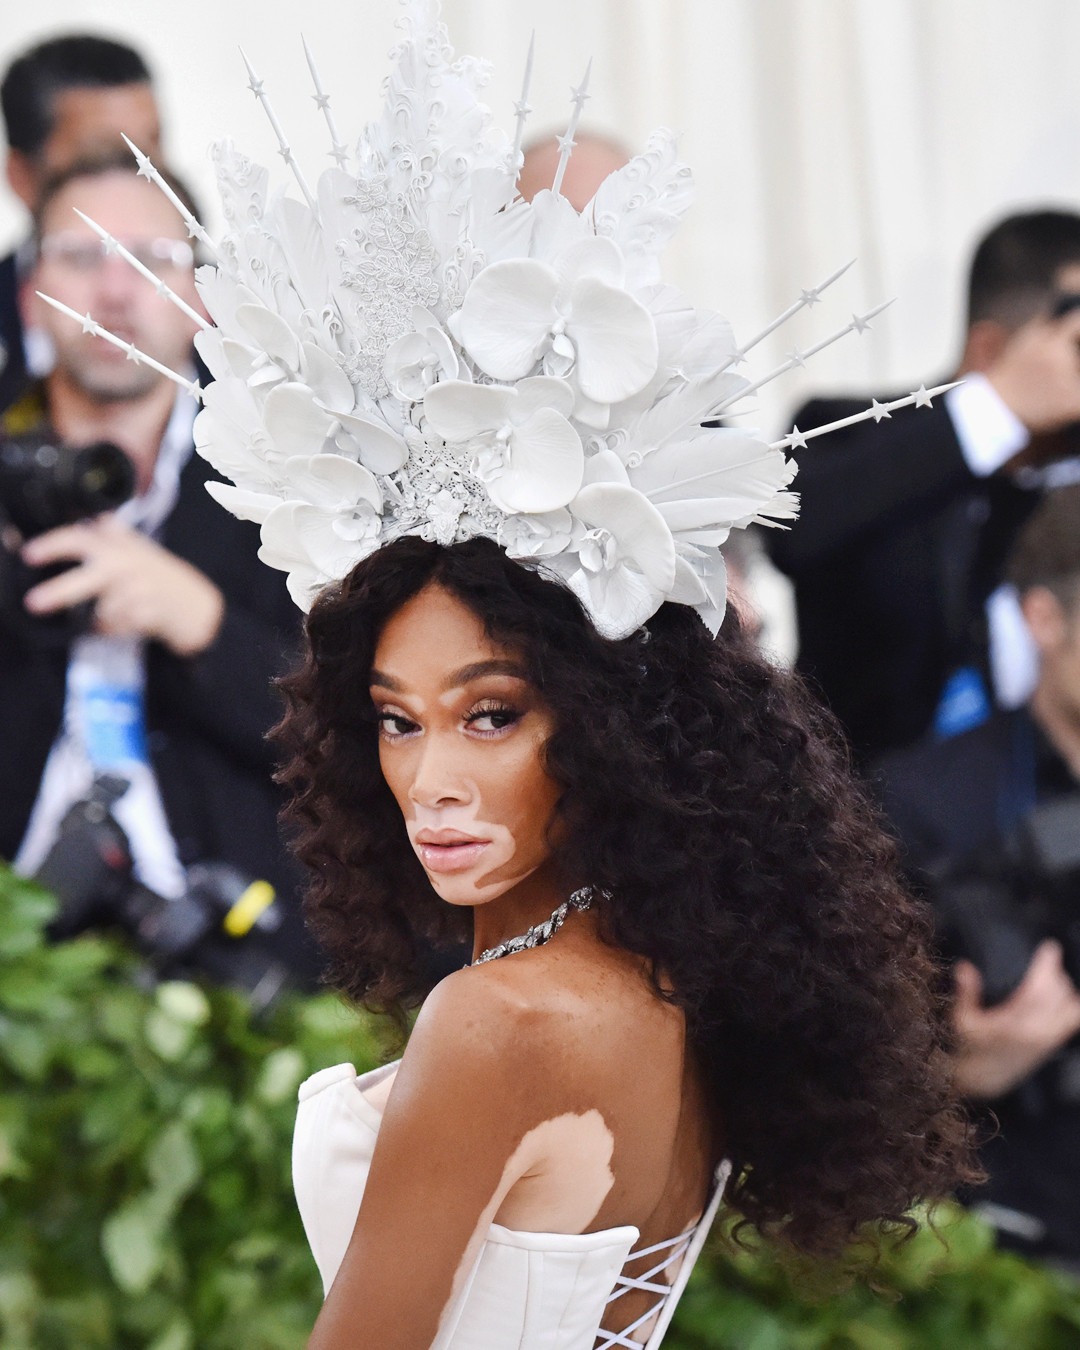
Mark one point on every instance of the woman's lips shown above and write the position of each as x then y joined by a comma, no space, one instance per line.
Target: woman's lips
457,856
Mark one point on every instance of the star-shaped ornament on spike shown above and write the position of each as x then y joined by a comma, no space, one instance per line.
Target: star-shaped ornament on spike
795,440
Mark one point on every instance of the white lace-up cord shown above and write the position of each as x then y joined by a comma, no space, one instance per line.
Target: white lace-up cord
646,1284
685,1249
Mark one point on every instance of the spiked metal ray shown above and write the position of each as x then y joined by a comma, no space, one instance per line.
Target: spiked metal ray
566,142
878,412
806,300
194,229
284,149
859,324
339,153
113,245
90,325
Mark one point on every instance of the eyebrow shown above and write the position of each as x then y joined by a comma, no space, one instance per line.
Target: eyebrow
476,671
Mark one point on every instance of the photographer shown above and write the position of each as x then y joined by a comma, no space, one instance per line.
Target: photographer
990,825
140,646
63,100
904,523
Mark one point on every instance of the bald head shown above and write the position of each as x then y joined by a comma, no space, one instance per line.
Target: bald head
594,157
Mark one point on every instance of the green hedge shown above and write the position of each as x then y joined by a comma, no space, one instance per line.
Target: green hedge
145,1198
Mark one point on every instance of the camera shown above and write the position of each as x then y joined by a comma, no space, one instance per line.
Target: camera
996,912
44,484
219,927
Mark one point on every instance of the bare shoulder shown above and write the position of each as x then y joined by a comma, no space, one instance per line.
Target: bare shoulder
477,1032
572,1017
484,1011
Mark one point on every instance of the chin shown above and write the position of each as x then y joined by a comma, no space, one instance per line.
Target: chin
462,893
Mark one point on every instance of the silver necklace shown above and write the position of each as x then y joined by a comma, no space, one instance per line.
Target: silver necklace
539,933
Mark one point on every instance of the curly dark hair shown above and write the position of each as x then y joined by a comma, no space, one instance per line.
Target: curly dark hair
708,793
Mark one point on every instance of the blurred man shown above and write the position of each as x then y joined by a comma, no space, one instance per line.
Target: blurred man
64,101
990,825
594,156
162,677
905,522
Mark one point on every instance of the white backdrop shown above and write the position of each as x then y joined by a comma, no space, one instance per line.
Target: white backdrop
890,130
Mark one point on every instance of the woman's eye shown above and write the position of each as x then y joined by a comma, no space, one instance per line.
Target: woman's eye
392,725
491,720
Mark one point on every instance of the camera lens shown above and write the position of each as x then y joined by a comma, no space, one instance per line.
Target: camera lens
43,485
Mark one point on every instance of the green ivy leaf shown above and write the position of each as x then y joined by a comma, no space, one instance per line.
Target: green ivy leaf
183,1002
26,1047
167,1037
281,1074
131,1238
176,1336
172,1162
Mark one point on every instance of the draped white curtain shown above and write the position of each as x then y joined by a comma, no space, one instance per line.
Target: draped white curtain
818,130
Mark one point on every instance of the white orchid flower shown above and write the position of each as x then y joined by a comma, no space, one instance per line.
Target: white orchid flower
298,423
418,359
524,449
626,557
340,487
322,540
537,536
573,318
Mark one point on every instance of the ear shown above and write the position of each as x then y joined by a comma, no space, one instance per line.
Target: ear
1045,617
986,339
23,177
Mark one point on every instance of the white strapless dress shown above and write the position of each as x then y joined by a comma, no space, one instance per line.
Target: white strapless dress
526,1291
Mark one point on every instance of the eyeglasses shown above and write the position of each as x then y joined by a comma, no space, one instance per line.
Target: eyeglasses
78,254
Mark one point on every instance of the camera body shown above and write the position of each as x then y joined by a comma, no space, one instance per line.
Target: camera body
220,927
998,910
43,485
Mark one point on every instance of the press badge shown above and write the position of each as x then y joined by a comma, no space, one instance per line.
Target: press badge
964,704
114,731
106,690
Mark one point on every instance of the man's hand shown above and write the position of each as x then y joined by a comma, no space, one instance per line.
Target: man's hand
1038,373
999,1047
138,588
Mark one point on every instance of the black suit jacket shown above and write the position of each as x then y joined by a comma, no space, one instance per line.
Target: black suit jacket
206,718
895,551
13,358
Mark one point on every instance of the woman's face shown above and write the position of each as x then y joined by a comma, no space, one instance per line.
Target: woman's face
461,736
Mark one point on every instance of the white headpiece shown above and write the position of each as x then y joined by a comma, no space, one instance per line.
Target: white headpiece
413,349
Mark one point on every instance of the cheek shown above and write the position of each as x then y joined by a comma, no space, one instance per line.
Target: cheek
395,775
523,800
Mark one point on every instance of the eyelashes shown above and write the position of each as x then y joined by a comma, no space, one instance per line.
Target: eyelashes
500,715
393,726
487,719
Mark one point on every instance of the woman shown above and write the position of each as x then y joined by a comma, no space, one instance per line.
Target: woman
746,980
481,437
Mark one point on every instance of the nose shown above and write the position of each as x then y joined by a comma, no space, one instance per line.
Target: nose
437,778
117,280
